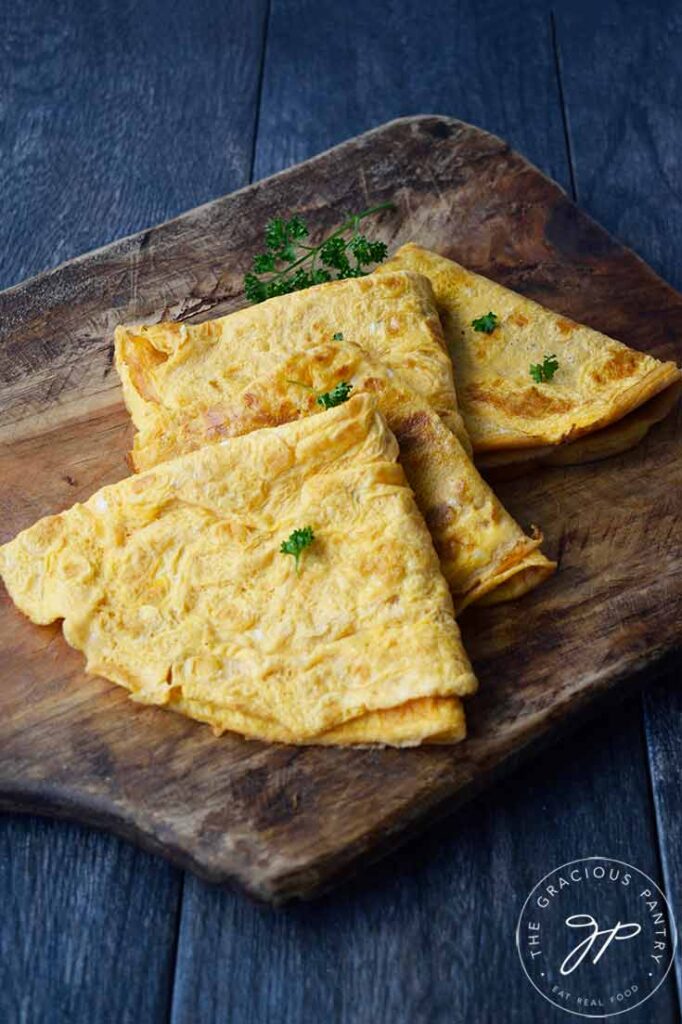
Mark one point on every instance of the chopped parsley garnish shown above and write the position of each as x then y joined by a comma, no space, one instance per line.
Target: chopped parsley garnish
289,263
544,371
297,542
337,396
338,336
486,323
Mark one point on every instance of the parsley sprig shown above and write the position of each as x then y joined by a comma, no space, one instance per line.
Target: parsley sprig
297,542
337,396
544,371
486,323
289,263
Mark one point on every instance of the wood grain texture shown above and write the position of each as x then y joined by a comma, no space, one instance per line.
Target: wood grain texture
116,116
335,72
626,152
112,118
262,815
87,929
663,714
428,935
625,147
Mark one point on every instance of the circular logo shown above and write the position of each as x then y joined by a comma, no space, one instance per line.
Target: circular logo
596,937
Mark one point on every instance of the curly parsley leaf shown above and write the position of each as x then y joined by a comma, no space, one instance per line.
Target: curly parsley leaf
486,323
338,336
281,234
337,396
297,542
367,252
334,254
289,264
544,371
254,289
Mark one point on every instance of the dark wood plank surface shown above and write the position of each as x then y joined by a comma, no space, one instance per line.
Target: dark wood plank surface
119,115
662,717
622,88
109,123
88,927
413,942
627,154
427,935
285,821
329,77
282,953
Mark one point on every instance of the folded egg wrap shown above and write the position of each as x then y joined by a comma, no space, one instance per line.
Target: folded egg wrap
190,385
602,399
172,584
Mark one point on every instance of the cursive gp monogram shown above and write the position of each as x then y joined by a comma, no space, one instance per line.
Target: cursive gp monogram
618,933
585,963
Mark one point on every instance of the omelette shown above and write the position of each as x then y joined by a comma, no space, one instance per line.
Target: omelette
601,399
187,386
175,585
173,373
484,554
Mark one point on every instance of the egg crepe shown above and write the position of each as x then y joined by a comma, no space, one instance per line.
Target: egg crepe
187,386
484,554
601,387
173,373
172,583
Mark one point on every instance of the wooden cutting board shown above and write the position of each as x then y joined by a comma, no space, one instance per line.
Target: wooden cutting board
288,821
